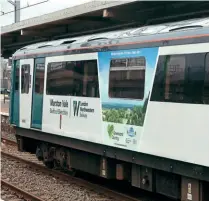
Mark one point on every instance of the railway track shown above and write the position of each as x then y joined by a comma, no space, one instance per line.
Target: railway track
111,194
31,161
5,126
7,130
19,192
8,141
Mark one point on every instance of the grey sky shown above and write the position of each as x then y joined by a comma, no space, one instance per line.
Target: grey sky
34,11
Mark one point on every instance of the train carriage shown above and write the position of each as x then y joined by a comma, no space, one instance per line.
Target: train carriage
129,105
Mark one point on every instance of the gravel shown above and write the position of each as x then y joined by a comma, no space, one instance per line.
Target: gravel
9,195
25,155
7,131
9,136
45,186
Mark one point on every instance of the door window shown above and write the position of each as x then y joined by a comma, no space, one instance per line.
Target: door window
39,78
25,78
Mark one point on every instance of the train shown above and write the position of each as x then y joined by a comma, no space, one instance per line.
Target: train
129,105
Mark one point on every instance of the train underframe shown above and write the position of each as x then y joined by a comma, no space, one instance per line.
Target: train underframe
178,186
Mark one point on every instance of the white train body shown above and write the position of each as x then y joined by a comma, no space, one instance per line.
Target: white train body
144,95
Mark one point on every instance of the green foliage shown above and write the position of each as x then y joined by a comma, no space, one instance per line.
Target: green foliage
110,130
134,116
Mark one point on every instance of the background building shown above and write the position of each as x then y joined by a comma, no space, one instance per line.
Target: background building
5,73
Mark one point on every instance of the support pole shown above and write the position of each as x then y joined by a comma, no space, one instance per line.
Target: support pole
17,11
16,5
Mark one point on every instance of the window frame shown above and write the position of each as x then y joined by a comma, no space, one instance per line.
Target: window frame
38,61
189,97
23,91
166,71
64,64
206,70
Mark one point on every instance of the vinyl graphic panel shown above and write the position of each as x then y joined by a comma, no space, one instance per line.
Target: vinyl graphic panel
125,82
72,109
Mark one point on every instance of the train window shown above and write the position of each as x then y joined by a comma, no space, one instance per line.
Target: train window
194,78
17,75
181,78
73,78
39,77
206,81
174,78
127,78
169,79
158,86
25,78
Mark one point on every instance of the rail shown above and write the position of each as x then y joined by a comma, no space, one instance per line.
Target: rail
75,180
5,125
7,141
19,191
63,176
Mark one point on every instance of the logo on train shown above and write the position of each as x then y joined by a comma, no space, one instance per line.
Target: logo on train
81,109
131,132
76,106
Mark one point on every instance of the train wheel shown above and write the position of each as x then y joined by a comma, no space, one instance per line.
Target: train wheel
49,164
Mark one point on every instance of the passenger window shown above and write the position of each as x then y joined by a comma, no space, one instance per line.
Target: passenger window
73,78
206,81
158,86
39,78
194,80
182,79
25,78
127,78
174,78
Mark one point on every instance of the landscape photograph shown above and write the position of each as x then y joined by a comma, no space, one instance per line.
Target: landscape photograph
125,114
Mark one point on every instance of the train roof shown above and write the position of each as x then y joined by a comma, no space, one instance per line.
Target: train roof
184,28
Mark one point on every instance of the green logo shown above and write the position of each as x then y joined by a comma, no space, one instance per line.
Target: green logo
110,130
76,106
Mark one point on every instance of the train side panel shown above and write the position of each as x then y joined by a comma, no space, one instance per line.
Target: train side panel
176,125
109,110
125,82
139,115
71,100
